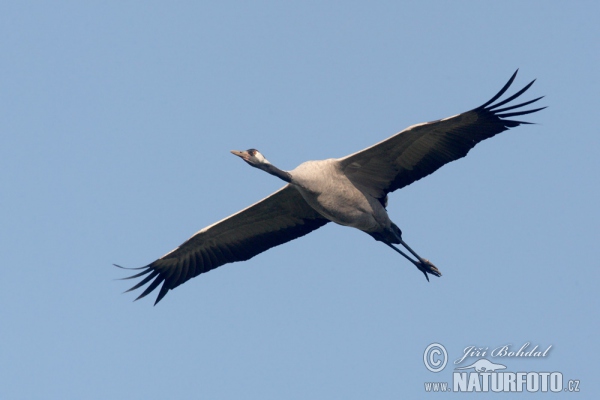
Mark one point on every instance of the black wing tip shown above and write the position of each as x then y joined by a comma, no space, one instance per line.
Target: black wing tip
154,274
501,113
118,266
501,92
506,115
164,289
157,281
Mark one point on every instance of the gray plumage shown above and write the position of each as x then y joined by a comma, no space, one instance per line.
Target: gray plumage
350,191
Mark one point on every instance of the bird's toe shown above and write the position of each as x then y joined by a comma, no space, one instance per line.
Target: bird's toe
428,268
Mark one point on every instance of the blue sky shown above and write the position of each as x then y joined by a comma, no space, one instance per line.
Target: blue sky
117,119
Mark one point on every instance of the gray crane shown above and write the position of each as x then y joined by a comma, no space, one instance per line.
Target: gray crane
350,191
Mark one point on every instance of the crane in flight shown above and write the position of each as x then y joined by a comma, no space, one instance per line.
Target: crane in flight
350,191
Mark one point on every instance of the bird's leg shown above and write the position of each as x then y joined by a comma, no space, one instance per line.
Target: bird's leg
423,264
402,253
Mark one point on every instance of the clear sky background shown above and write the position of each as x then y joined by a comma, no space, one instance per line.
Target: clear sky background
116,121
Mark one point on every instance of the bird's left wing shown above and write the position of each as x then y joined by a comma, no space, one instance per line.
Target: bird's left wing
277,219
421,149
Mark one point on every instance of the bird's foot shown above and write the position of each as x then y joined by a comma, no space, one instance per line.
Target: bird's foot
426,267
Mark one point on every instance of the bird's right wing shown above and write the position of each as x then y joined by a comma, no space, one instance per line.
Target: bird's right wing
277,219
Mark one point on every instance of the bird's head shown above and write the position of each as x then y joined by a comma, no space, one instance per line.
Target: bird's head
257,160
252,157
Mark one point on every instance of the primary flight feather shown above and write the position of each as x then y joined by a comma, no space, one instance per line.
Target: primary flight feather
350,191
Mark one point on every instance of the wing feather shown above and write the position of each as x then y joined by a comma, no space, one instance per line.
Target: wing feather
421,149
277,219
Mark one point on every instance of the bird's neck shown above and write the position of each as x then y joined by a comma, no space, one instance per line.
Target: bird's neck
273,170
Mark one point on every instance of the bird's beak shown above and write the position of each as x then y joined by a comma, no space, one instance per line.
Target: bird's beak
242,154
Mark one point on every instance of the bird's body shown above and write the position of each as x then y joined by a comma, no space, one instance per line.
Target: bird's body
325,187
350,191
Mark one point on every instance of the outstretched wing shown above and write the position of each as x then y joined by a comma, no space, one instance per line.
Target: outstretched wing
277,219
421,149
